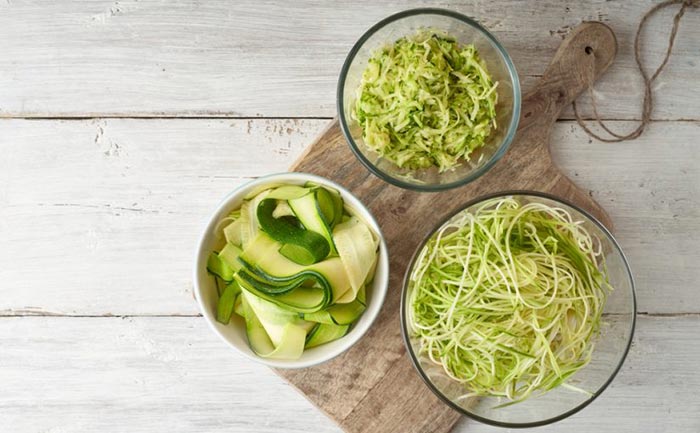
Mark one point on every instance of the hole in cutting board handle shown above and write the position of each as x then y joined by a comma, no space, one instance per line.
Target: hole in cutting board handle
589,50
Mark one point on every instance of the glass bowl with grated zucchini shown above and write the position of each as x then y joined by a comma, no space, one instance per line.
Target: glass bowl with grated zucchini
428,99
519,309
291,270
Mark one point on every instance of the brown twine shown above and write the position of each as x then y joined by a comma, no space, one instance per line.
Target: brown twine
648,103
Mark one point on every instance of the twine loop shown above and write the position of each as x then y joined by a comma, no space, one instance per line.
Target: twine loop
648,102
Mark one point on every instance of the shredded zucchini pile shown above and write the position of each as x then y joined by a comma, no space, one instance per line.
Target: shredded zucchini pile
508,298
426,101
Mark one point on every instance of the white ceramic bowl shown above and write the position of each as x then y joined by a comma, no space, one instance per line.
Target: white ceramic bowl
234,332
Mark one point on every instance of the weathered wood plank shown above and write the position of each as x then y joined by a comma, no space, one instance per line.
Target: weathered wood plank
251,58
111,209
651,190
140,375
102,217
172,374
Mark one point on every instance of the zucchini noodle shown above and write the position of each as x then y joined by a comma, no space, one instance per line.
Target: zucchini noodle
426,101
508,298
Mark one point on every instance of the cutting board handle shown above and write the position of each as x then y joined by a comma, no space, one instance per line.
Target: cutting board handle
582,58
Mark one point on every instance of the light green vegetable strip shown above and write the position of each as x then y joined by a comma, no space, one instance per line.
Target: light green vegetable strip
238,305
426,101
324,333
272,333
227,300
339,314
357,248
229,255
508,298
232,232
218,267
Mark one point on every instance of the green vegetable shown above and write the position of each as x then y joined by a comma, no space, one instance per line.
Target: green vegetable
218,267
289,283
269,274
508,298
301,246
220,285
272,332
227,300
232,232
333,214
339,314
356,245
324,333
330,206
229,255
308,210
426,101
288,192
238,305
245,225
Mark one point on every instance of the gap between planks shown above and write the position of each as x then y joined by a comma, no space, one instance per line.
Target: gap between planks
35,313
158,116
227,116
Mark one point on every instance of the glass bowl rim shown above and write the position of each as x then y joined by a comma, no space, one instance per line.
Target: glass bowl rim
512,127
414,358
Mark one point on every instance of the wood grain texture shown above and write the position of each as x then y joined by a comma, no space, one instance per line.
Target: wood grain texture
99,217
388,398
156,374
270,58
653,201
112,210
57,184
69,375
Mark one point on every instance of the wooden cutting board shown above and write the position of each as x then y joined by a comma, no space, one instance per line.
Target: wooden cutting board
373,387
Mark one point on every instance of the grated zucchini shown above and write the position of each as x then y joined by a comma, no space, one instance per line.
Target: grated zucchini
425,101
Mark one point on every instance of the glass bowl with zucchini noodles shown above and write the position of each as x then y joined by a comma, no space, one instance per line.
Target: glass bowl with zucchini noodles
519,309
428,99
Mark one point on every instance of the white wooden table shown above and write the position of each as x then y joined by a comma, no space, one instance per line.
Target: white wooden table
122,123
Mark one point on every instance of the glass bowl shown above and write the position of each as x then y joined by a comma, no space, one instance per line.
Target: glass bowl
610,350
466,31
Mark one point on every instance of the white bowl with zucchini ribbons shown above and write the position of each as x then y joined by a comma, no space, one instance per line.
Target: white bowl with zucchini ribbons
291,270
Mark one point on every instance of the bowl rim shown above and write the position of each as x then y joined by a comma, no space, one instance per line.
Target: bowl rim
414,358
512,127
381,286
